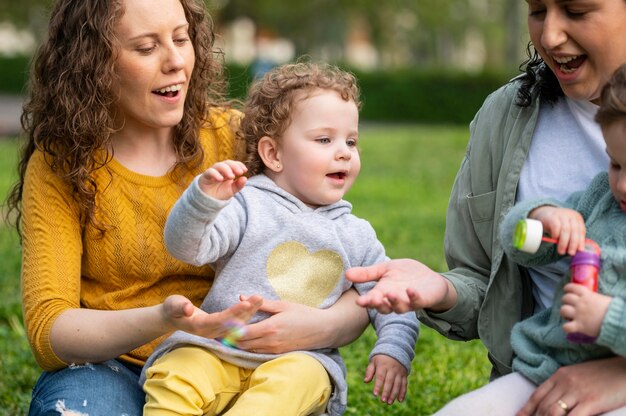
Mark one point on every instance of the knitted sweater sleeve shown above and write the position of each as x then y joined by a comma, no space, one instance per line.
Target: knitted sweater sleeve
51,257
613,329
583,202
65,267
546,252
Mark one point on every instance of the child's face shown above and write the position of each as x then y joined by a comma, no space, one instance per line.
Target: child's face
318,150
615,138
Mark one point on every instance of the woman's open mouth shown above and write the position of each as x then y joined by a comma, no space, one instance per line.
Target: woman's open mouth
169,91
570,64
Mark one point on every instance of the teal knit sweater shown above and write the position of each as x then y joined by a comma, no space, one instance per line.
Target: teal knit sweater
539,342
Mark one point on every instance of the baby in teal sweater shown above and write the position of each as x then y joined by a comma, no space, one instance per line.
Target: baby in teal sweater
598,213
540,342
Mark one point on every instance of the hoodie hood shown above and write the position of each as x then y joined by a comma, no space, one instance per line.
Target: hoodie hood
293,204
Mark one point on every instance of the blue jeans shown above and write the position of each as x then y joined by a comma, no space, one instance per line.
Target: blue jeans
110,388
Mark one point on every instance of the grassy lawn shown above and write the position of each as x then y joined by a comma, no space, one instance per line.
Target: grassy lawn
18,370
403,191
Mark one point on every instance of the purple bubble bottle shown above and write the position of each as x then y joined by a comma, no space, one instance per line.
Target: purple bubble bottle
584,268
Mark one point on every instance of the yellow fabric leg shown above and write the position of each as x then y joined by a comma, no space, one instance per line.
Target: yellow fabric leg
190,381
292,384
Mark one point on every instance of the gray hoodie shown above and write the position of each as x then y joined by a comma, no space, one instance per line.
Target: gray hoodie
265,241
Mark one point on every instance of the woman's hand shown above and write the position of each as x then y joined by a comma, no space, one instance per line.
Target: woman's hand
294,326
88,335
588,388
404,285
180,313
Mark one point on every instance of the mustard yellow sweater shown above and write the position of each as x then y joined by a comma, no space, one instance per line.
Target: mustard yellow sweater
65,266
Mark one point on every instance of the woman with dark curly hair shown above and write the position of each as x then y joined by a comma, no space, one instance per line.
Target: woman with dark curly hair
126,106
534,137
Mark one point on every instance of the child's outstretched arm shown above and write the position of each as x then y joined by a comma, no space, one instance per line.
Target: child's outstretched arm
223,180
563,224
390,378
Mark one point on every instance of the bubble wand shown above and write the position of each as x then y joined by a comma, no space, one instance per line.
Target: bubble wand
584,265
528,236
235,331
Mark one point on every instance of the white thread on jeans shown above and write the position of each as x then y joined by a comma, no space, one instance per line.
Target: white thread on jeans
63,411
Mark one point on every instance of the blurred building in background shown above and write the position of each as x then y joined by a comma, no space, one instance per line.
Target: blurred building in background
14,41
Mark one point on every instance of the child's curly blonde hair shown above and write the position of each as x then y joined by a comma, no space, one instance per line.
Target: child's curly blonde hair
270,102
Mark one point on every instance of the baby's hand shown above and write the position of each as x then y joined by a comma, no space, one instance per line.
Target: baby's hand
224,179
391,378
584,309
563,224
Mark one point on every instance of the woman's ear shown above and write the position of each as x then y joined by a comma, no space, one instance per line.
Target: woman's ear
270,153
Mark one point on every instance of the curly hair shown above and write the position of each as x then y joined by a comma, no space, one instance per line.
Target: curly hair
613,99
537,77
270,102
70,112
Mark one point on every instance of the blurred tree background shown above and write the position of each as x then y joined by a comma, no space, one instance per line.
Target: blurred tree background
468,34
464,34
431,61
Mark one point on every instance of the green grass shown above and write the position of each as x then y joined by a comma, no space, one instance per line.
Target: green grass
18,370
403,191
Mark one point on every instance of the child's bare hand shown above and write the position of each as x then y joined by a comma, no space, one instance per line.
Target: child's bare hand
224,179
563,224
584,309
390,378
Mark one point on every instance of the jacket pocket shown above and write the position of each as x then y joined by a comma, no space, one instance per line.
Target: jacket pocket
482,208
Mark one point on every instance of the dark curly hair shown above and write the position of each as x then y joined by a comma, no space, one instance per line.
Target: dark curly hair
270,102
539,78
69,113
613,99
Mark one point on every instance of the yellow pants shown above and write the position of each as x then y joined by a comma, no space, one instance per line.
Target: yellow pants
193,381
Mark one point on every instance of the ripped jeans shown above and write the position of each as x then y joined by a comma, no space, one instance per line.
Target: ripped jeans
106,389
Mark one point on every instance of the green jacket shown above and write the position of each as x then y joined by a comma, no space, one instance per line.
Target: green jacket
493,292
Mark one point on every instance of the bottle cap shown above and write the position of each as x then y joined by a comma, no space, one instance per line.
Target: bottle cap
585,257
527,235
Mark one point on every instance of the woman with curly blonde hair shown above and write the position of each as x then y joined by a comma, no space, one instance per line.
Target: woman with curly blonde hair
126,106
